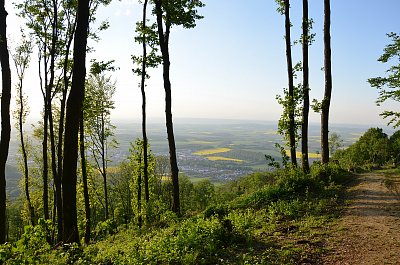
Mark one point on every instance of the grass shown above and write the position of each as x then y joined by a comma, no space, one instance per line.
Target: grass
212,151
221,158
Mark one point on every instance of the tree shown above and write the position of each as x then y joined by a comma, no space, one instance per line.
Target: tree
389,86
97,110
147,37
5,117
372,149
306,41
136,158
395,147
73,116
287,122
325,104
121,189
84,178
21,59
335,142
44,19
169,13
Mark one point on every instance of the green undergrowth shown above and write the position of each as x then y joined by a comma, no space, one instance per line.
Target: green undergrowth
269,218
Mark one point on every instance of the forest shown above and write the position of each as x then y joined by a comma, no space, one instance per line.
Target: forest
77,206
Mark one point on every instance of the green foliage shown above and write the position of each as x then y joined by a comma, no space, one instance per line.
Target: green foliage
395,147
265,207
104,229
243,186
96,68
389,85
311,37
290,105
335,142
284,158
290,184
281,6
218,210
147,34
181,12
371,150
329,173
32,248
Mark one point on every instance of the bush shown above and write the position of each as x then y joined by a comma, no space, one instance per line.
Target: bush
106,228
331,172
219,211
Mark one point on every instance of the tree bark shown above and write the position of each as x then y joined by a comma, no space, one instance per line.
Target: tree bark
66,79
306,91
49,96
5,117
73,116
45,197
139,191
84,180
292,133
103,164
24,154
142,87
328,84
164,46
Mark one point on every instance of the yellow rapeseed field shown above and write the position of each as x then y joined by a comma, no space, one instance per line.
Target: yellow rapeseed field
221,158
212,151
310,155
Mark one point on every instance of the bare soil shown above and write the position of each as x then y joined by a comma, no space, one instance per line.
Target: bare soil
369,232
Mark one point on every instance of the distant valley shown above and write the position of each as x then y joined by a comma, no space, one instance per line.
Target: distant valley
219,150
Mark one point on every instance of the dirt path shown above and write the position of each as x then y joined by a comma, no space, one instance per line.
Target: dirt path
369,232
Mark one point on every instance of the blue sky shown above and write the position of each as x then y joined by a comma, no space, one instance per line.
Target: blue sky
232,65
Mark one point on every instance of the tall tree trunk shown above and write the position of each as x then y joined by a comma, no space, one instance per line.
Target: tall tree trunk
306,91
142,87
49,97
103,165
73,116
24,154
139,192
84,180
164,46
66,79
45,164
328,84
292,133
5,117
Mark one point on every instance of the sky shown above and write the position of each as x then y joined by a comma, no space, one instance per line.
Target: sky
232,64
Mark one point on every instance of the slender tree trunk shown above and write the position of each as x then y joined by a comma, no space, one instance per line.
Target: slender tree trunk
164,43
24,154
5,118
292,134
104,166
49,97
73,116
45,164
142,86
328,84
139,192
84,180
306,90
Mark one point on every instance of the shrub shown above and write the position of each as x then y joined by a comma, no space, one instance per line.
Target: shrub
331,172
103,229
